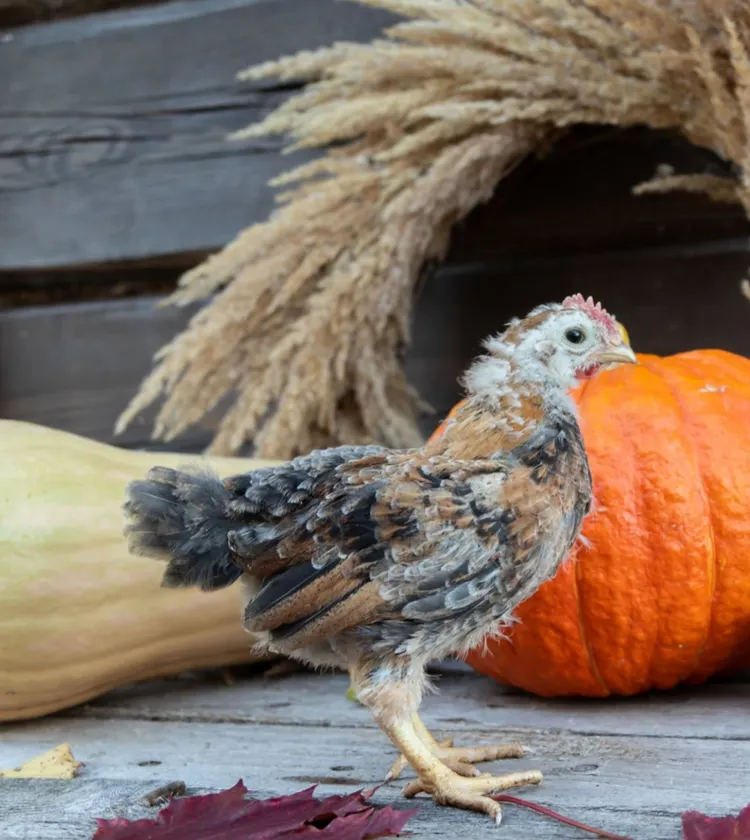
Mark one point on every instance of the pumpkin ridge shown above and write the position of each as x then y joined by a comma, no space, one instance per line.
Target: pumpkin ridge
645,520
649,527
584,635
728,638
576,588
710,516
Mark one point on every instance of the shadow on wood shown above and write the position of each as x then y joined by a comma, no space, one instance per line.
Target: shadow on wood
76,366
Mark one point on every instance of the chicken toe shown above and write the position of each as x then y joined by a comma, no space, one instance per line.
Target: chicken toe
459,759
446,786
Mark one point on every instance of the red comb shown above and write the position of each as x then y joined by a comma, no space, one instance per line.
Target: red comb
593,310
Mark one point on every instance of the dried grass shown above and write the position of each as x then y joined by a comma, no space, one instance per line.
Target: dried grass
310,311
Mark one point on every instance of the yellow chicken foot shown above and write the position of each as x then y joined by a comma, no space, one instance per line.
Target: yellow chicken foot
459,759
445,785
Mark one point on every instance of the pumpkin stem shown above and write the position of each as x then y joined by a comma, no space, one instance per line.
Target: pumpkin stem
548,812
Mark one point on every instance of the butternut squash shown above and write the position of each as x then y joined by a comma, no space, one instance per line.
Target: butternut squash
79,615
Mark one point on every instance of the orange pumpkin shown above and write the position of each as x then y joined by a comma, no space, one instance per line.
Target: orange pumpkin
661,595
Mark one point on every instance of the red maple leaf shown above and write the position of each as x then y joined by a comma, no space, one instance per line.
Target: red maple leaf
230,816
696,826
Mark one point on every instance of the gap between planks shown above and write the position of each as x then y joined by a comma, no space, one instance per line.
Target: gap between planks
623,784
464,701
653,757
75,367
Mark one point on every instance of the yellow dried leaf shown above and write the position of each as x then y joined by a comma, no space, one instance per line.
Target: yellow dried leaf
57,763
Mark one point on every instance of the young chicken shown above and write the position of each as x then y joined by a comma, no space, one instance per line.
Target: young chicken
379,560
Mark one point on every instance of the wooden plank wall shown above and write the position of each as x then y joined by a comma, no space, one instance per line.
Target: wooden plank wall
116,175
19,12
115,126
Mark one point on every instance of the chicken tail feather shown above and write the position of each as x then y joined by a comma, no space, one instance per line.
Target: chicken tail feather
183,518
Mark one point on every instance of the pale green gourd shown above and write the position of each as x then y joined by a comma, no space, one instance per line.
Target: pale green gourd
79,615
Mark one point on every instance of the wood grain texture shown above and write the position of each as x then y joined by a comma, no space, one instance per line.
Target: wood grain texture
115,126
124,154
633,784
24,12
578,199
465,701
76,366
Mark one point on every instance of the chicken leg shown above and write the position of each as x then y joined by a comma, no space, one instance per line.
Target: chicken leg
459,759
445,785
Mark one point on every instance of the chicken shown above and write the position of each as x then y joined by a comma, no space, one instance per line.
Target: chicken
380,560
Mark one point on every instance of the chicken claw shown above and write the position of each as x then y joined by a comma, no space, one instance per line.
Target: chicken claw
448,788
442,783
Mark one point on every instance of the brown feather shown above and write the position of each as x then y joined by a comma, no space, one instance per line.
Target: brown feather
307,600
357,606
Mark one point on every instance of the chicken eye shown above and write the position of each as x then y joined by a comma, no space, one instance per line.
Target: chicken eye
575,336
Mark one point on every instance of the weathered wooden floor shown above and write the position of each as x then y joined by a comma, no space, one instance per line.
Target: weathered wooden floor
629,767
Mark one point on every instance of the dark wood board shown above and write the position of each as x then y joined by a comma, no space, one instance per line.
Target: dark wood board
114,126
670,300
24,12
113,145
579,199
75,366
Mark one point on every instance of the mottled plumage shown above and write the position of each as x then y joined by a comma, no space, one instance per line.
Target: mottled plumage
380,560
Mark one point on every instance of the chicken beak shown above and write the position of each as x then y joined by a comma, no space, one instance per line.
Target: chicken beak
622,354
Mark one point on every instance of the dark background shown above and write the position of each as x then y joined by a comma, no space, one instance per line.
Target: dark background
115,177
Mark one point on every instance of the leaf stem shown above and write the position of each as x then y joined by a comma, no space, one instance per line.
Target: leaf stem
548,812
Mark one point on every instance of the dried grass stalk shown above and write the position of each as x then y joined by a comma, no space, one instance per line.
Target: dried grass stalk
725,190
310,311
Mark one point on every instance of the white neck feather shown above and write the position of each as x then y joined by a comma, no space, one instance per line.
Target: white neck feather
508,375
